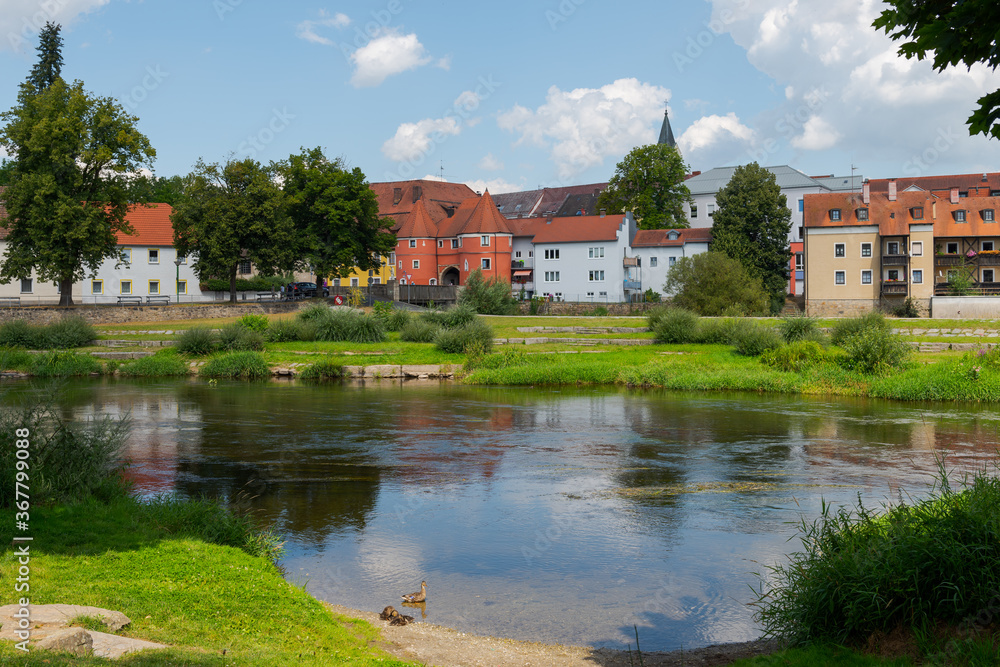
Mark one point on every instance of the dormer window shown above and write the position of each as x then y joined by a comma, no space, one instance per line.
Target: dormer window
672,235
917,212
960,215
835,214
988,215
862,213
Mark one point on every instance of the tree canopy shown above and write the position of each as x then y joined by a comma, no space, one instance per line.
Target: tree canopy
156,189
67,181
50,61
230,213
712,284
952,32
751,226
649,182
335,213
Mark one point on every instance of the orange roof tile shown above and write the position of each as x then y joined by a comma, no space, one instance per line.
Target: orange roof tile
964,182
438,197
579,228
152,226
658,237
485,218
416,224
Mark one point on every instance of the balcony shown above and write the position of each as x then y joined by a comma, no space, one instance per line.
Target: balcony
522,263
895,260
628,262
949,260
988,260
633,285
895,288
977,289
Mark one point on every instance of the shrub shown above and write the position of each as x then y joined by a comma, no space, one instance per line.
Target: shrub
165,363
475,336
676,326
712,284
14,359
718,332
69,332
844,329
753,339
393,318
314,312
324,370
239,365
19,333
798,327
925,565
198,341
349,326
69,461
288,330
235,338
793,356
419,331
907,309
254,322
875,350
651,296
508,357
491,296
63,364
456,316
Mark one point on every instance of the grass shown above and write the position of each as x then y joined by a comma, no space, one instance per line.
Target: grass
237,365
165,363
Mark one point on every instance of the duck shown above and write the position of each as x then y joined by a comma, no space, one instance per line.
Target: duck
400,619
388,613
417,597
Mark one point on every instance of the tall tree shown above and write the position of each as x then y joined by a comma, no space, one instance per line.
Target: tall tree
231,213
953,32
156,189
751,226
336,214
50,61
66,199
649,182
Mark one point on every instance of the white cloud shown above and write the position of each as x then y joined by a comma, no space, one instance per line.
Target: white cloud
307,29
709,130
817,135
583,127
389,53
490,163
21,20
413,140
495,186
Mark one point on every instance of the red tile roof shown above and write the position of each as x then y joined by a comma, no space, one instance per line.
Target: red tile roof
151,224
485,218
417,224
939,183
579,228
658,237
438,197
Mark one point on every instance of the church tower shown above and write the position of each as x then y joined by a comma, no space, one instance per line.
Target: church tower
666,134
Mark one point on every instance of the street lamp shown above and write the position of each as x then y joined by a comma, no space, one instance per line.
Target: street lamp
177,277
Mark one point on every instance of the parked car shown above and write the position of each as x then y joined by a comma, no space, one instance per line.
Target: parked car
300,290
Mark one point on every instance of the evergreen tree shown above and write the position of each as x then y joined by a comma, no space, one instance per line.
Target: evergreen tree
751,226
50,61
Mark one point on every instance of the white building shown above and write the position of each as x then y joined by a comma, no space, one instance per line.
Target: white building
659,249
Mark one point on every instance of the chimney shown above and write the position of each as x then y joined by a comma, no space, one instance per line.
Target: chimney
892,189
548,218
604,212
397,195
597,192
418,192
866,193
934,210
984,177
954,195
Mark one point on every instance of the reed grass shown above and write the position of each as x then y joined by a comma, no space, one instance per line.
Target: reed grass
165,363
237,365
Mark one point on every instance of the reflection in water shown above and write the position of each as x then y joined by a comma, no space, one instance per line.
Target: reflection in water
554,515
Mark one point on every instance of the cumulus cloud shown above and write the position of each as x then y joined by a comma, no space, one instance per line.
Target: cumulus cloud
389,53
21,20
307,29
583,127
709,130
413,140
490,163
495,186
888,108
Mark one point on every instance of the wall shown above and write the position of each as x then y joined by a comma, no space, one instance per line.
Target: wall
840,307
125,314
821,263
965,307
563,308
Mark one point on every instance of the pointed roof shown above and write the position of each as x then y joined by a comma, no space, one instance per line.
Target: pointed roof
417,224
476,215
666,134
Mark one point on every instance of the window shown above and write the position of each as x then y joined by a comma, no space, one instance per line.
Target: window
154,286
97,287
413,243
596,253
802,205
988,276
799,261
154,256
466,265
26,285
182,287
486,264
531,253
354,282
378,281
244,266
456,243
126,287
987,245
892,275
517,254
862,213
802,231
892,248
988,215
552,253
918,276
866,249
835,214
590,295
440,244
839,250
866,277
960,216
839,277
917,248
551,276
603,295
400,264
951,248
694,210
652,261
416,263
596,276
126,256
917,212
432,281
484,241
711,210
184,260
673,260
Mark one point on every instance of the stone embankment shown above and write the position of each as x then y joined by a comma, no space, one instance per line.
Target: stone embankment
48,627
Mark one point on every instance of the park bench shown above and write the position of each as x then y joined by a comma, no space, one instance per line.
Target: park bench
267,296
10,301
164,298
122,300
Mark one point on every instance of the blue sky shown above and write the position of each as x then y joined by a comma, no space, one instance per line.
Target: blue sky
512,96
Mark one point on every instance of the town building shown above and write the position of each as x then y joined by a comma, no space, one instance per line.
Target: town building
657,250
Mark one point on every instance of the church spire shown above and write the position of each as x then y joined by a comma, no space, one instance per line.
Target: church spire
666,134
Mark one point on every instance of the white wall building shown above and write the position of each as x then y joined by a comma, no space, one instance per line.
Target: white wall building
658,250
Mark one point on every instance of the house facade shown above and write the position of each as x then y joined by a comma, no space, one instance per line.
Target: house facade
878,248
659,249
